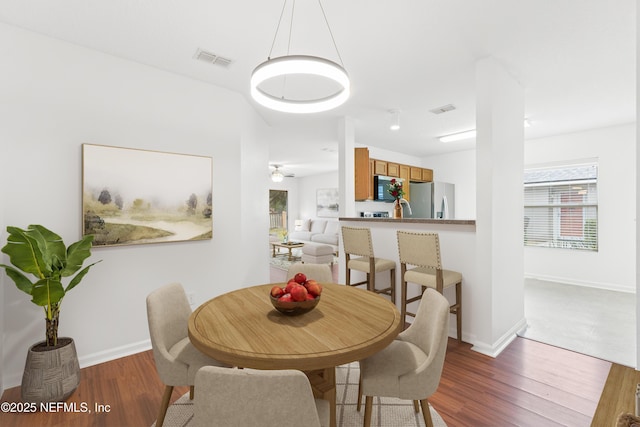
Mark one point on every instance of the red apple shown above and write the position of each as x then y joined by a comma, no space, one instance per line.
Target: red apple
299,293
290,284
314,289
277,292
310,297
285,298
300,278
309,282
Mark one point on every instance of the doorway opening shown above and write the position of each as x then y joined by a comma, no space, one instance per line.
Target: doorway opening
278,218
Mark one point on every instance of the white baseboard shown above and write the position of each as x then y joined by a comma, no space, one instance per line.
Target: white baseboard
493,350
597,285
114,353
15,379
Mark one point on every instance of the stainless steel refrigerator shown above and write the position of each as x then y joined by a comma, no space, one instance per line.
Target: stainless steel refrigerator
431,200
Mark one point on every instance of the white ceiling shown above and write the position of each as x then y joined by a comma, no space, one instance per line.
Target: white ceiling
574,58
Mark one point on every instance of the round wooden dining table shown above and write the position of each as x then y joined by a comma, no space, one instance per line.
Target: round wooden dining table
242,328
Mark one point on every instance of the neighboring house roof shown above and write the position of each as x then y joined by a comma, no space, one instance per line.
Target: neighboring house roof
561,174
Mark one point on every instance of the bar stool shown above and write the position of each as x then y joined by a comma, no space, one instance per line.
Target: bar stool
422,250
357,241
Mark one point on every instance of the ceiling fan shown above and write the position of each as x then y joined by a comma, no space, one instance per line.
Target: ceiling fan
277,175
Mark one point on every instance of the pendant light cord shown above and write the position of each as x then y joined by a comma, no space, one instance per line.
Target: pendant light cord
331,33
326,21
277,29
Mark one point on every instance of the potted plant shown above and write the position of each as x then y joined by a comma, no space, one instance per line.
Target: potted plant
42,253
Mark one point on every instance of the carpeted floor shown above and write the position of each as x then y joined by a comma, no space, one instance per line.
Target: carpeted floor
596,322
387,412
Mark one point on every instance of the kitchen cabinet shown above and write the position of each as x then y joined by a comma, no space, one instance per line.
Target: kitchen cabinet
393,169
405,174
421,174
380,167
415,173
363,176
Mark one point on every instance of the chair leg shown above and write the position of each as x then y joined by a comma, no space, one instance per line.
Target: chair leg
359,405
191,392
403,301
416,406
368,406
371,281
166,397
459,310
392,284
426,413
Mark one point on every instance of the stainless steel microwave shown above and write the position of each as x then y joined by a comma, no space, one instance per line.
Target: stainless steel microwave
381,188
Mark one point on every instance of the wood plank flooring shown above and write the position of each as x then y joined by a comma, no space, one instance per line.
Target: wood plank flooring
618,395
529,384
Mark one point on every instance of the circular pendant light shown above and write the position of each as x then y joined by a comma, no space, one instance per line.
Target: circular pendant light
300,64
290,65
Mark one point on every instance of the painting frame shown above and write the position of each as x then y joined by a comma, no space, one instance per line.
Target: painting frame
327,202
134,196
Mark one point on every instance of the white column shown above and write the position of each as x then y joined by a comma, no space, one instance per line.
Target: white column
346,145
637,200
499,206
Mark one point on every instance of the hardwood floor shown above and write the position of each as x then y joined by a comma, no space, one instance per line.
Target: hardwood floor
529,384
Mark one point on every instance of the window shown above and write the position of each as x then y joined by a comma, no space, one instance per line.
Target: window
561,207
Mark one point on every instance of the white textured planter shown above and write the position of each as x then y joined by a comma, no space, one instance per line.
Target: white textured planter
51,375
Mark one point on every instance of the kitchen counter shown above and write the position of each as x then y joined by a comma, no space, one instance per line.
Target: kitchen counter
413,220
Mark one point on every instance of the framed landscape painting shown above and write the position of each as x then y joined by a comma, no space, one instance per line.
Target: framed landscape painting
132,196
327,202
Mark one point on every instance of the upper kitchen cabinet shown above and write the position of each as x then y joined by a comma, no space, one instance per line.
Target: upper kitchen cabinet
405,174
393,169
363,179
421,175
379,167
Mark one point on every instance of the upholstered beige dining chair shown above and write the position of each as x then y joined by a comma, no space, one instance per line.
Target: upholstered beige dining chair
411,366
177,361
318,272
422,252
357,241
256,398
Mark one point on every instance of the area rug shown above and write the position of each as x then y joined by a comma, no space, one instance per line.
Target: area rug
387,412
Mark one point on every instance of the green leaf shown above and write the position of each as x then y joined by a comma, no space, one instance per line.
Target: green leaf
78,277
52,248
76,254
47,292
24,252
21,281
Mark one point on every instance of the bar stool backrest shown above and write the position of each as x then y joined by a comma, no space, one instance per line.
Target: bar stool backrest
357,241
421,249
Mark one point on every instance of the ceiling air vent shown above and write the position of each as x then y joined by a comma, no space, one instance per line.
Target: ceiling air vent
443,109
212,58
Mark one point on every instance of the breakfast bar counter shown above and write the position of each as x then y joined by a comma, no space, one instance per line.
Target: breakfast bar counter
458,248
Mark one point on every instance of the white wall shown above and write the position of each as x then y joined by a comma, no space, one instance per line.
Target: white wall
67,95
613,266
307,188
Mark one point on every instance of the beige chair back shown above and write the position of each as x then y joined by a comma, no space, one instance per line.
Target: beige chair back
319,272
421,249
357,241
168,312
256,398
430,332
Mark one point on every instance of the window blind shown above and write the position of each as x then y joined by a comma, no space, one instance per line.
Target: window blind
561,207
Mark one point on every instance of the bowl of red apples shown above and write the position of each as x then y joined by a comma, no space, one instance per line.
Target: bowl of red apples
300,295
